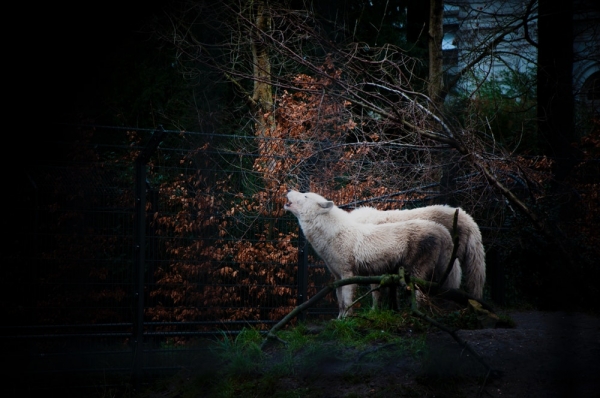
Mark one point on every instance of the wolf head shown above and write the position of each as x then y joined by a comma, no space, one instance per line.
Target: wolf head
306,204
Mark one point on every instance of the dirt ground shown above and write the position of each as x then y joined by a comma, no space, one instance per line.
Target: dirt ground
547,354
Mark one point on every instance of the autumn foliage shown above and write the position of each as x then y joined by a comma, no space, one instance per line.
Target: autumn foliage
220,246
230,249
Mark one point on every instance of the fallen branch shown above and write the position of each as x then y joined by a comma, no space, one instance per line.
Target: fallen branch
383,281
441,326
365,295
388,280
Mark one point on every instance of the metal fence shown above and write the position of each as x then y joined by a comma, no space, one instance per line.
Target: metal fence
128,248
126,251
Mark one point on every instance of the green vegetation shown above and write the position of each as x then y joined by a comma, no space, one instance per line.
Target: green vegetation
356,348
241,369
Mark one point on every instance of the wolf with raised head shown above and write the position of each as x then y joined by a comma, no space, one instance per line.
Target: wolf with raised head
350,248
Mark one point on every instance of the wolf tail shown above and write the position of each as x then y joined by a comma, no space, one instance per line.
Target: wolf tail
474,264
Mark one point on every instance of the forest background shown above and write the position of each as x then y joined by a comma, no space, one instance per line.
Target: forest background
350,99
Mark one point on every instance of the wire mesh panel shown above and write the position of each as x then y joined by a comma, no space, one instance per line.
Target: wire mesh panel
66,290
220,253
222,250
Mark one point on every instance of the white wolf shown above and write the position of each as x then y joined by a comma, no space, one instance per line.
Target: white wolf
350,248
470,253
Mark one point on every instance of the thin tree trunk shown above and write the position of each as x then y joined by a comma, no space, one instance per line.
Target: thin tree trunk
555,80
262,96
447,159
436,34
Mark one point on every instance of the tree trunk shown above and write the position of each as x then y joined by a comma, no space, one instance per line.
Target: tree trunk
262,96
436,34
554,86
448,159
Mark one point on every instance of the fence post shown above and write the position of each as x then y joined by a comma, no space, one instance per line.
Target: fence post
140,254
302,272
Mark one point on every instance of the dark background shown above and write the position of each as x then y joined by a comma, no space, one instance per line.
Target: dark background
60,56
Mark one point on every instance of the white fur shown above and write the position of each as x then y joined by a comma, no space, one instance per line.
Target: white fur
350,248
470,253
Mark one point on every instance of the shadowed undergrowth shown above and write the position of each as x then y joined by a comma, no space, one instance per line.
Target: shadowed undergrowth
352,351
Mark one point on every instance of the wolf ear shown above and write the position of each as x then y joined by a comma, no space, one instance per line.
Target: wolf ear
326,205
